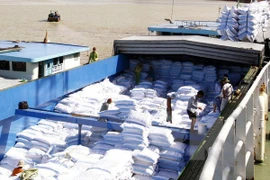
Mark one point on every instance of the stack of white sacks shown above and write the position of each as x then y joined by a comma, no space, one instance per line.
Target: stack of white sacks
145,161
124,106
36,144
81,103
144,90
50,145
180,117
244,23
160,87
187,70
135,130
126,80
115,164
175,71
228,28
198,73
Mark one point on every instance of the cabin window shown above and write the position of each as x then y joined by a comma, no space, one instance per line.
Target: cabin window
55,61
4,65
48,65
61,59
76,55
19,66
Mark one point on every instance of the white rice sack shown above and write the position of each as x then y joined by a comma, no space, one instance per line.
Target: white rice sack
53,125
133,146
80,167
140,177
71,100
120,154
78,151
138,169
35,153
72,173
142,118
160,133
104,147
22,145
90,158
178,147
133,136
40,145
146,155
169,164
171,155
133,128
50,169
74,151
65,161
64,108
112,135
13,156
6,169
96,174
164,174
28,134
162,142
112,166
45,140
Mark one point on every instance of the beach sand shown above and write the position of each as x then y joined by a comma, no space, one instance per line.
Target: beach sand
97,23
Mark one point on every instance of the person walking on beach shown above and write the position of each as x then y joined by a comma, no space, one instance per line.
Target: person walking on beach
192,108
93,56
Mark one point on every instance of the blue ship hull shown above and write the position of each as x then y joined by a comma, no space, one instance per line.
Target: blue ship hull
39,92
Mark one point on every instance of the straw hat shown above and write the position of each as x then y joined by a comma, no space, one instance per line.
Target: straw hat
21,163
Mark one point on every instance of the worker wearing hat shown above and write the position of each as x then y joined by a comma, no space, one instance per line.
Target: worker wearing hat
93,56
18,169
226,92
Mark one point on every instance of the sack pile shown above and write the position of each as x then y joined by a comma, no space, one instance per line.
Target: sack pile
244,23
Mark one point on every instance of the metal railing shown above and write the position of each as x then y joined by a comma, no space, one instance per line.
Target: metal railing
232,153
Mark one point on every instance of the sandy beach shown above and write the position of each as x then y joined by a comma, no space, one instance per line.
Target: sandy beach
97,22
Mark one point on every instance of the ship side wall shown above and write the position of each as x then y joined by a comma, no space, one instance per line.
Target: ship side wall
46,89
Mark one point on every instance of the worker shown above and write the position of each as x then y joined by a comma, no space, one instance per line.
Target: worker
192,108
218,98
138,70
105,105
151,74
93,56
226,92
18,169
169,108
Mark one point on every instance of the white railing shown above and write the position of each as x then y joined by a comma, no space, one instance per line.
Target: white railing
232,154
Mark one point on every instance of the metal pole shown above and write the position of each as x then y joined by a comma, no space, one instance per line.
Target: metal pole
172,10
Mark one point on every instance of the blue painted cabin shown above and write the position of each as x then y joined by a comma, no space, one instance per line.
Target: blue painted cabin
33,60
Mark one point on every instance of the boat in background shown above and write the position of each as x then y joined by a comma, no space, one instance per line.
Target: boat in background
54,16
